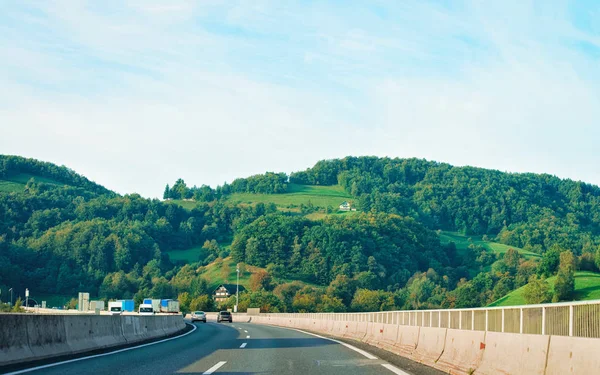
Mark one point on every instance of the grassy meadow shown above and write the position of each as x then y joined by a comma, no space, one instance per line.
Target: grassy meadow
587,287
462,242
319,196
191,255
16,183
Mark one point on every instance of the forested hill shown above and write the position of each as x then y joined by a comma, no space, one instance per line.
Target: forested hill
61,233
531,211
17,170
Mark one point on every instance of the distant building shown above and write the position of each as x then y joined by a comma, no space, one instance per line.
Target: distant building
345,206
224,291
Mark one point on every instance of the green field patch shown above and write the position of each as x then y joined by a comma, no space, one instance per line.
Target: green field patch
187,204
192,255
16,183
321,215
321,197
11,187
587,287
223,271
318,196
462,242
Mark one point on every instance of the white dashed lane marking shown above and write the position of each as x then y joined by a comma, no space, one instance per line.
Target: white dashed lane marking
214,368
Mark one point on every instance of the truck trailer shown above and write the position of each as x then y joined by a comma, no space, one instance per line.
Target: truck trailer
169,306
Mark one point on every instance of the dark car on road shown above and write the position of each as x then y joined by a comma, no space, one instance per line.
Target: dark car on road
224,316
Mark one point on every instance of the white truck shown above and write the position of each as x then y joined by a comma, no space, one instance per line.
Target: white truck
145,309
115,307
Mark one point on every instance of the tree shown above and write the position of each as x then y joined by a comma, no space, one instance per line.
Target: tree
550,261
304,302
260,280
342,287
331,304
564,286
225,271
512,259
537,291
72,305
17,305
203,303
167,193
366,300
184,302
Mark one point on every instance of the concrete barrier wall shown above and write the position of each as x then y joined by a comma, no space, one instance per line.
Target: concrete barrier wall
387,337
573,355
515,354
47,336
430,346
469,352
27,337
463,352
14,343
406,343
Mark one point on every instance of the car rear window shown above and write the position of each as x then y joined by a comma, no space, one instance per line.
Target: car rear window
225,313
198,312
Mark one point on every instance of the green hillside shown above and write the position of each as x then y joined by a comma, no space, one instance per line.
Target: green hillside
223,271
188,255
318,196
462,242
16,183
587,287
185,203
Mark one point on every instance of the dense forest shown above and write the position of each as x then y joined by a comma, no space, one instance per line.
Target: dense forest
63,233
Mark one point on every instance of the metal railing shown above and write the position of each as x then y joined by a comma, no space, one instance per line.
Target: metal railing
580,319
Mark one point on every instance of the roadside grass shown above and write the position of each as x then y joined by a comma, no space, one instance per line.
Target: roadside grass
587,287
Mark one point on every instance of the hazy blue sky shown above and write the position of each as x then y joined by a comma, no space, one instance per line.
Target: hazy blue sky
134,94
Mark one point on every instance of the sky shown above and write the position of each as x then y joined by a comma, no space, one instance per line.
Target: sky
135,94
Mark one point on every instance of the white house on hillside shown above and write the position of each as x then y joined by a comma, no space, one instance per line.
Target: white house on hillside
345,206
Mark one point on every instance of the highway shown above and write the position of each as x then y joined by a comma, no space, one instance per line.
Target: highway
233,348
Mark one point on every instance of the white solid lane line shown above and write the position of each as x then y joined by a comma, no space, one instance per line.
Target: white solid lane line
366,354
394,369
98,355
214,368
243,345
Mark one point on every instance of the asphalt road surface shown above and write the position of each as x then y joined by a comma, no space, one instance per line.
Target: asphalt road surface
235,348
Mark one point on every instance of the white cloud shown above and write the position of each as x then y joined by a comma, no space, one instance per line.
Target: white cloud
138,96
